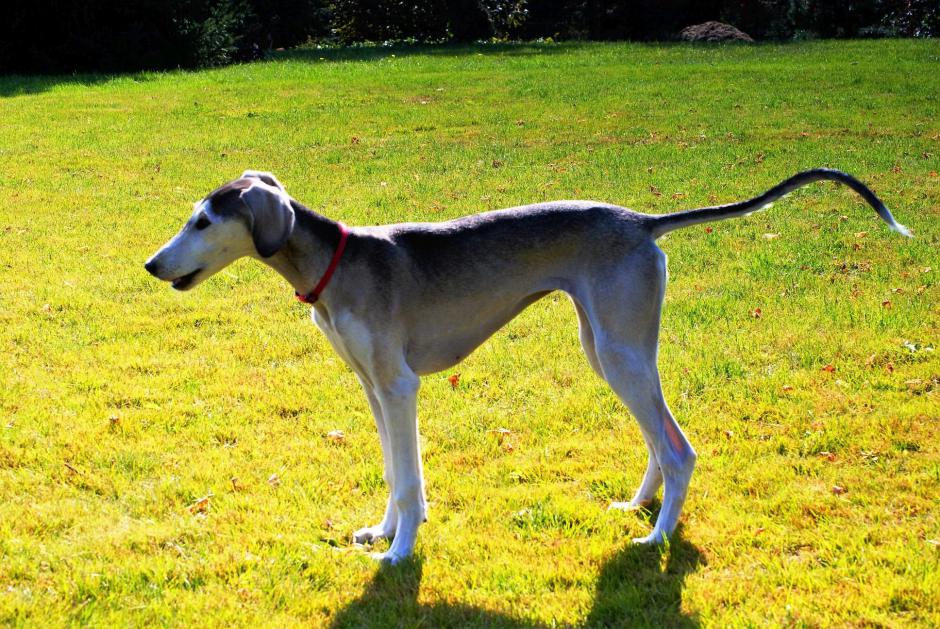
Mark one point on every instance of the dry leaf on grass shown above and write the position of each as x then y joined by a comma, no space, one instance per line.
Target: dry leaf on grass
201,505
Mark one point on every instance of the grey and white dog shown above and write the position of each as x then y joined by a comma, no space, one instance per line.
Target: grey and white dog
400,301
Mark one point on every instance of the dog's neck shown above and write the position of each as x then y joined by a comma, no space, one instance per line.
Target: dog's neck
306,255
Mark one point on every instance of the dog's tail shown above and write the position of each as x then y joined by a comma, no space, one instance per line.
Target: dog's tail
659,225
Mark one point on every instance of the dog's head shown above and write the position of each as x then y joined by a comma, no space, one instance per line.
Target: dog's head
250,216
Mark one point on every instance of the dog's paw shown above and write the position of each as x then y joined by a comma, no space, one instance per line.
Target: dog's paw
633,505
388,558
372,534
653,539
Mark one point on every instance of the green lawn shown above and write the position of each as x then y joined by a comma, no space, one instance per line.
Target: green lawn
124,404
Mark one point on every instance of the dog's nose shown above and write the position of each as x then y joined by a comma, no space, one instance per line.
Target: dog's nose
151,267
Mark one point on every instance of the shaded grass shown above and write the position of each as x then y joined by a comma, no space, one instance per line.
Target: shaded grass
124,404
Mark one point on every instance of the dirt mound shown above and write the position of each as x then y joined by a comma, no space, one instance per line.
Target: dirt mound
713,31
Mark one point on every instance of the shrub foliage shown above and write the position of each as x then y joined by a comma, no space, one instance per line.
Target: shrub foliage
113,35
45,36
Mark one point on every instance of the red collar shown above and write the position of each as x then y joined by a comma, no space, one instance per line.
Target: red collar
314,295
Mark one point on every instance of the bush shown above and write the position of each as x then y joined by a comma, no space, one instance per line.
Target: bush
46,36
283,23
915,18
113,36
389,20
611,19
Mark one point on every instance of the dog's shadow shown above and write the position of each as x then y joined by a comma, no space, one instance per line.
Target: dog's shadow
638,586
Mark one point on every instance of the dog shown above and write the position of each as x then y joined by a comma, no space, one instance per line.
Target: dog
400,301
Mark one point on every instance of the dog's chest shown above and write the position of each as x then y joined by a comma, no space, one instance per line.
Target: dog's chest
348,337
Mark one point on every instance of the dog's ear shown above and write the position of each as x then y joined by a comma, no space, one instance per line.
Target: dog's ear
266,177
272,217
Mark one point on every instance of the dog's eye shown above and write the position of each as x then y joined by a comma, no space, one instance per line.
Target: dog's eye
203,222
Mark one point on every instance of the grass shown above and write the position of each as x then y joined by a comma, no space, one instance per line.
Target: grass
164,457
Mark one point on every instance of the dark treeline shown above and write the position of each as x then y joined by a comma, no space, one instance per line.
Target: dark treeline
49,36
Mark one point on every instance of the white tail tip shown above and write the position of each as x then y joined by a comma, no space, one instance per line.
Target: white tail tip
901,229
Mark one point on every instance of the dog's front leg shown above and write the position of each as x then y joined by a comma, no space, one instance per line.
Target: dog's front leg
386,528
398,399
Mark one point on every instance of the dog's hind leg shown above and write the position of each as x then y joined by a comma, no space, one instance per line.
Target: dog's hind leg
586,335
652,481
626,307
653,478
632,374
386,528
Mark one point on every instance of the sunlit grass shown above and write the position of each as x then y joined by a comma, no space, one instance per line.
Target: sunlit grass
125,403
